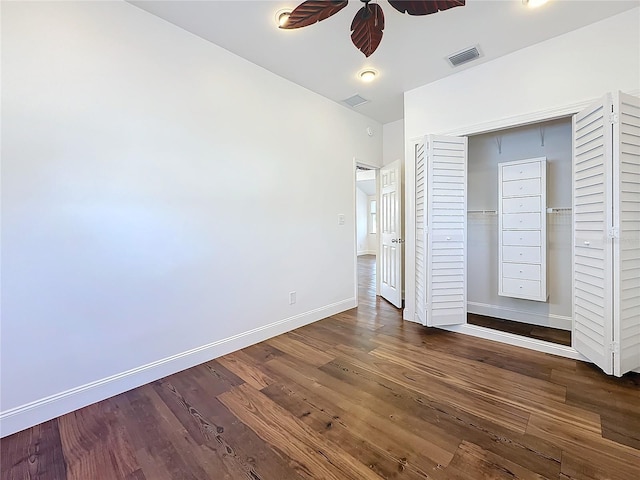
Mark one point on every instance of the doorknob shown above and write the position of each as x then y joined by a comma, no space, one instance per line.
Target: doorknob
397,240
393,240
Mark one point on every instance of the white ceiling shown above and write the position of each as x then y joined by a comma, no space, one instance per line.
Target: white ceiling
413,51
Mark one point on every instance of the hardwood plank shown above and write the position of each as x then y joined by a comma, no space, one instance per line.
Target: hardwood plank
554,335
533,453
427,445
513,418
35,453
244,367
300,350
163,447
470,372
214,427
261,352
384,456
94,445
575,440
484,464
590,464
318,457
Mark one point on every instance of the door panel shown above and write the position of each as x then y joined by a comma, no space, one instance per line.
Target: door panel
391,233
592,253
627,245
446,266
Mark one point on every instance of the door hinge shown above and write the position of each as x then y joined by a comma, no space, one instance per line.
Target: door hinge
613,118
614,347
613,232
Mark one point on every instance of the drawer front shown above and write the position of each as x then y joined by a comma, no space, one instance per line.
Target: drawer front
526,288
525,221
521,254
524,238
521,204
531,186
522,171
522,271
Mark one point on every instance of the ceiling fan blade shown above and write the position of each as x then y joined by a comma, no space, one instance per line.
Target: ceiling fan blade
366,28
424,7
310,12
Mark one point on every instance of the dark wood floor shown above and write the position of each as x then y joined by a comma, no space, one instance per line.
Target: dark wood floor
554,335
360,395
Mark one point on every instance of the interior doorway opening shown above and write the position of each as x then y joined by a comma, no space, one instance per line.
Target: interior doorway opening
366,189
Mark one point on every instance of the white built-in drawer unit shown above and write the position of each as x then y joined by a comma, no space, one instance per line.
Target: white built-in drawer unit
528,186
529,238
522,250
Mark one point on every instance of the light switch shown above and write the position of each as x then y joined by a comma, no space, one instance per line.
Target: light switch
341,219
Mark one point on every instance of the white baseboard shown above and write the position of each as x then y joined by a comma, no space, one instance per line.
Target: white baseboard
518,341
496,311
38,411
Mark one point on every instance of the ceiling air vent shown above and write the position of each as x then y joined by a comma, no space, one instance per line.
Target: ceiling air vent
464,56
355,101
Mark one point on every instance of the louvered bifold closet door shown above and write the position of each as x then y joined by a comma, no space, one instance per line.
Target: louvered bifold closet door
592,217
446,230
421,208
626,269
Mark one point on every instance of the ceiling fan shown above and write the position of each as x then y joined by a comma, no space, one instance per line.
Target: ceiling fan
368,24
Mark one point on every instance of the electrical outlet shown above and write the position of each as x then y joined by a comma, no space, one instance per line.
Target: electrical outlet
292,298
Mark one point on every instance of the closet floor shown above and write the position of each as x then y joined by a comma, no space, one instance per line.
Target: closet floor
554,335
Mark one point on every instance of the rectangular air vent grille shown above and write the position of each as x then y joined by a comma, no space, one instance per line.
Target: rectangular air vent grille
464,56
355,100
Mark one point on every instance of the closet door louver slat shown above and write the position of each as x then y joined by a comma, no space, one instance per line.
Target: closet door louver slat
592,253
627,258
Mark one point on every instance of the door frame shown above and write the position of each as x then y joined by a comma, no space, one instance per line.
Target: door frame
359,163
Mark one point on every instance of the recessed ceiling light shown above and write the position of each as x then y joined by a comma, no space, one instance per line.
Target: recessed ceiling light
368,75
282,16
534,3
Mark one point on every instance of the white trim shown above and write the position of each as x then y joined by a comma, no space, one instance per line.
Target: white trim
366,252
543,320
518,341
33,413
527,118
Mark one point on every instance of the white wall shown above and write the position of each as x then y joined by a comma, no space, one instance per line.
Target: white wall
139,166
362,212
550,78
392,141
372,238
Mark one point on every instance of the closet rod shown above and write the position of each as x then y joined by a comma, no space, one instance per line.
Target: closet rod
484,212
559,210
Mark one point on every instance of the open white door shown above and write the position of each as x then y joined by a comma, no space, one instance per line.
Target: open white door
390,211
446,228
626,241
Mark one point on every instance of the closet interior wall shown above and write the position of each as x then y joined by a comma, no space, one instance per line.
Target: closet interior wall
551,139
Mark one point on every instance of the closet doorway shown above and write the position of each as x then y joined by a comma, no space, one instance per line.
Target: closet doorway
549,320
